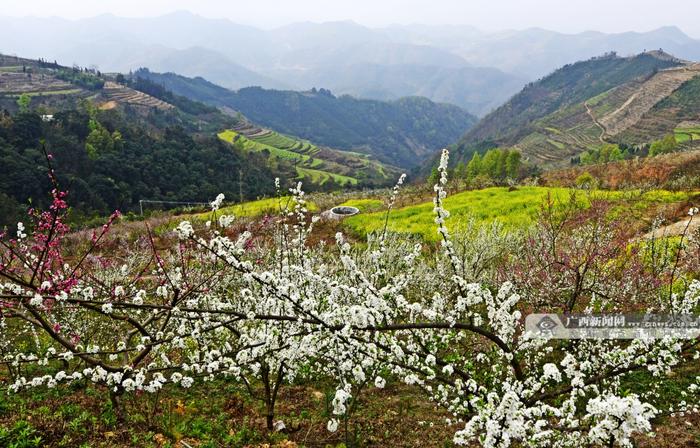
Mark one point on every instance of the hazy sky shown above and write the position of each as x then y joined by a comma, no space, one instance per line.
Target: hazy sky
559,15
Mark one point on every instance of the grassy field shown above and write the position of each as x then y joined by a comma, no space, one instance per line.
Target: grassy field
515,209
365,205
255,208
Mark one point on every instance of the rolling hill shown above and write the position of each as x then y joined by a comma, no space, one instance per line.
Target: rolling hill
402,133
610,99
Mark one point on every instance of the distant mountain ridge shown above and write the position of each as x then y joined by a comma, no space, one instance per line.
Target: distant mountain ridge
461,65
403,132
582,106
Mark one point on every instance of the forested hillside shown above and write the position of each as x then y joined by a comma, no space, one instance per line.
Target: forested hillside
111,159
402,132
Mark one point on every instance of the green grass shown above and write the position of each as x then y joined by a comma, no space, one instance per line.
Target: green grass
255,208
252,145
686,134
364,205
515,209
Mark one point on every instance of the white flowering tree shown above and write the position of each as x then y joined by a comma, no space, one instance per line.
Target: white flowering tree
215,305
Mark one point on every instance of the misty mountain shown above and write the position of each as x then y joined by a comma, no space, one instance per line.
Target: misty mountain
462,65
342,56
534,53
488,88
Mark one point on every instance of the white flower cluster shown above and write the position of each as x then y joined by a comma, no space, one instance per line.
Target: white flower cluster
216,203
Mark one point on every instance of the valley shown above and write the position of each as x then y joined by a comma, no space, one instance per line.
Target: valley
339,236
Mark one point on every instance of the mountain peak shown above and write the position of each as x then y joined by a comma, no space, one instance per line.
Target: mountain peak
670,31
661,55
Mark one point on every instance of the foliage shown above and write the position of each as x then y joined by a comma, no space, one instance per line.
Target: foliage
666,145
21,435
81,78
675,172
111,160
496,164
23,102
587,181
607,153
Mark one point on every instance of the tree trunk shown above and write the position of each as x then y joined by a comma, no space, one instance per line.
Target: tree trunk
117,403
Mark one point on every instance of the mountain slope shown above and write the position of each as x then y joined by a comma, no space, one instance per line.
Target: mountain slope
402,132
561,115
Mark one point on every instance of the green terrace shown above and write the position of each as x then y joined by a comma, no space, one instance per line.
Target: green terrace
299,152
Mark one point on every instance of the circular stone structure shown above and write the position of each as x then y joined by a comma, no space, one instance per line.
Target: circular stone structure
340,212
345,211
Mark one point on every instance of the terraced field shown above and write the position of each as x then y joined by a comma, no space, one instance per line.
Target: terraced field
644,96
621,114
122,94
17,83
297,151
560,136
321,177
687,132
631,101
312,163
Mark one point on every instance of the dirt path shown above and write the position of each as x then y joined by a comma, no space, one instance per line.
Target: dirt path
601,137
